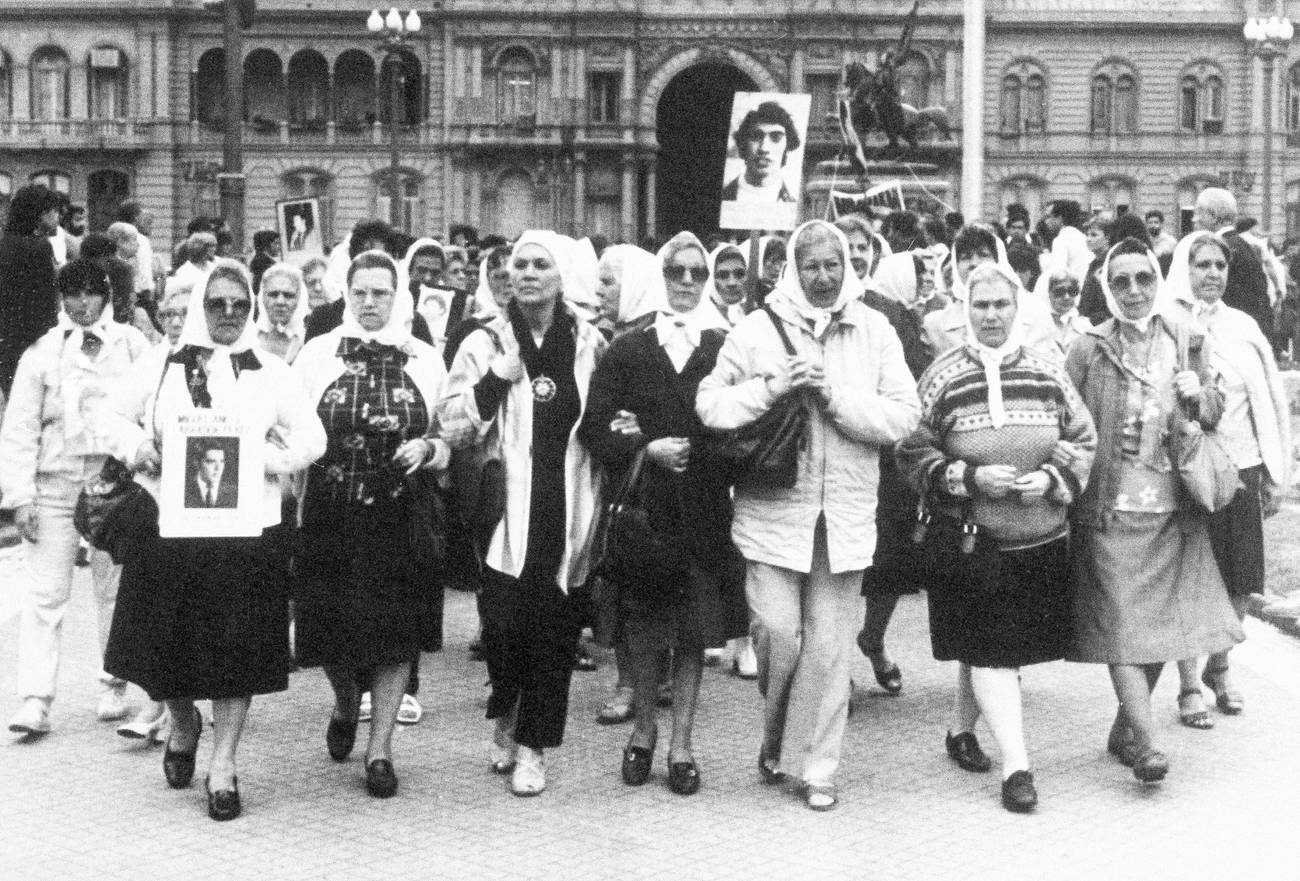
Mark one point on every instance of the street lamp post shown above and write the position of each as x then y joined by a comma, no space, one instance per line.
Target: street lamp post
393,31
1268,38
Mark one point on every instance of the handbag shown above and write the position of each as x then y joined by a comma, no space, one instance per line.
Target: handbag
1205,470
478,477
103,504
765,453
956,553
630,552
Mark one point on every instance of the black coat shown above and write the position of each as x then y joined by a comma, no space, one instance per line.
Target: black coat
1247,288
29,299
636,375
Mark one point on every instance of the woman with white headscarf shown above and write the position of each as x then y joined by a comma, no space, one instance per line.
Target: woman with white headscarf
520,383
1147,587
280,321
649,377
630,289
208,618
725,288
362,605
993,412
806,546
50,445
1256,429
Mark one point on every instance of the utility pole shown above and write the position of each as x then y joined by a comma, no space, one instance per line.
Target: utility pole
230,181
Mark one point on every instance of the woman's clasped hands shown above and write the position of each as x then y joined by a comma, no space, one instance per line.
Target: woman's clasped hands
996,481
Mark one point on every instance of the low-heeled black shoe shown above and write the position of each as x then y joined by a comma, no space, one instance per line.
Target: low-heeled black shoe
340,736
636,763
223,804
683,778
767,768
178,767
1018,793
965,751
381,782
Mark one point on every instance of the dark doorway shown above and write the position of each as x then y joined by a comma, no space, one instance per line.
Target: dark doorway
692,121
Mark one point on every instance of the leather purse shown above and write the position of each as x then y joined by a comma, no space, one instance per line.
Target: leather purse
630,552
956,554
765,453
104,507
1205,470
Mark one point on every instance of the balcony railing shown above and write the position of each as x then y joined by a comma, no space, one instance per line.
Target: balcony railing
84,134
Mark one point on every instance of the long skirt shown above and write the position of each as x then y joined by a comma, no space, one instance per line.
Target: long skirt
1148,591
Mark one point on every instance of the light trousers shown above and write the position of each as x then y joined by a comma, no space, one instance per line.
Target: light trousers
803,626
50,563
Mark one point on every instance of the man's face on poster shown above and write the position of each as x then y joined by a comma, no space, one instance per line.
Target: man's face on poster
765,148
211,467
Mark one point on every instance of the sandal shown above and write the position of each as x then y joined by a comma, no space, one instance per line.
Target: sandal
1228,699
1191,710
618,709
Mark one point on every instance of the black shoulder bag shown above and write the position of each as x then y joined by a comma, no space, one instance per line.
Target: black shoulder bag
629,552
765,453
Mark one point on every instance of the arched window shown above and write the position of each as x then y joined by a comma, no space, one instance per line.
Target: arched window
1111,193
516,86
1114,100
6,86
914,80
354,89
1200,99
49,75
1024,98
410,88
263,89
309,89
312,183
210,88
108,83
55,180
408,182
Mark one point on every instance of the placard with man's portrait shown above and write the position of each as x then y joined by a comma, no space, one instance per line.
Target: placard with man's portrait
299,224
211,477
763,178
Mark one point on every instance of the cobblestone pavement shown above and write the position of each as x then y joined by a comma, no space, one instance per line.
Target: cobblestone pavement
83,803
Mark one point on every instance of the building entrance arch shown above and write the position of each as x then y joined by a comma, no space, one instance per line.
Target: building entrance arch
692,122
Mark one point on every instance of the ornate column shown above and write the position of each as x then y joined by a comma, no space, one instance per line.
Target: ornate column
627,206
579,194
651,199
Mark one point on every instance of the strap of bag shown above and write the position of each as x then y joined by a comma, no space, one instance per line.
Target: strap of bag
780,330
628,485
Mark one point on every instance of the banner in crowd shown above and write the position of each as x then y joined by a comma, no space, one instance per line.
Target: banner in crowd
299,222
763,177
211,476
887,195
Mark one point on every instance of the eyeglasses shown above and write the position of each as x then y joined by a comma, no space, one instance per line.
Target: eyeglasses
283,295
729,274
1122,284
681,273
234,307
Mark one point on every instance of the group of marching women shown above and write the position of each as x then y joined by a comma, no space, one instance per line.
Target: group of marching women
951,441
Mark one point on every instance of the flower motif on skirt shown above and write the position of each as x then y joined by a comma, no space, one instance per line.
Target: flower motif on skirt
336,396
403,396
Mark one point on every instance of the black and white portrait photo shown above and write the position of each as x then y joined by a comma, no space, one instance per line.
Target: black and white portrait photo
300,229
212,475
764,169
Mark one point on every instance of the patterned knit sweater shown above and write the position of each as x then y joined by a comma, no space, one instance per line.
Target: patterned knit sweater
956,436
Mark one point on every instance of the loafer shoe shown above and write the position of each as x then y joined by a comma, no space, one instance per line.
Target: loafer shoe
529,777
381,781
1018,793
340,736
224,804
32,718
683,778
965,751
1151,766
636,763
178,767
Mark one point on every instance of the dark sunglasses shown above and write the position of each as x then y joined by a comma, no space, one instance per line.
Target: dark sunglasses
729,274
681,273
221,305
1122,284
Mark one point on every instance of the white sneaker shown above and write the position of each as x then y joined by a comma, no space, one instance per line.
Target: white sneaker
363,714
746,663
112,706
529,776
32,718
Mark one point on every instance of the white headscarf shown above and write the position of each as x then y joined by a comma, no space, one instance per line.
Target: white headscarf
895,277
485,303
682,329
583,278
788,288
640,282
561,249
397,332
194,332
990,357
295,327
1157,304
1178,286
732,312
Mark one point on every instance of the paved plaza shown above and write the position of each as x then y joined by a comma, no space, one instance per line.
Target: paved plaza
84,803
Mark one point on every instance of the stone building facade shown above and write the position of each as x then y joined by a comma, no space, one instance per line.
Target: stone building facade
603,115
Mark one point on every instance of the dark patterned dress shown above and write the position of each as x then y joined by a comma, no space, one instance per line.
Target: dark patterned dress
362,600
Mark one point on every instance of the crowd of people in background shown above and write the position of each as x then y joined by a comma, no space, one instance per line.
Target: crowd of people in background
985,412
